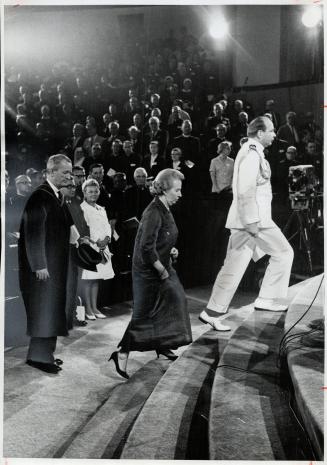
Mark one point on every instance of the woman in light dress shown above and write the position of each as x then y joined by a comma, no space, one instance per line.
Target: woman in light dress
100,235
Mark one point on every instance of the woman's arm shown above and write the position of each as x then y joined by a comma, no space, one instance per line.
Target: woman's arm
151,224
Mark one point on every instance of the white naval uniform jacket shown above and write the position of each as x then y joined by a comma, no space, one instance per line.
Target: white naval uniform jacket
252,194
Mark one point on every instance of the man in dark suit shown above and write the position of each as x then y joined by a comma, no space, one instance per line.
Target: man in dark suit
289,131
189,145
275,117
43,250
152,162
213,121
76,142
157,134
138,196
213,143
97,173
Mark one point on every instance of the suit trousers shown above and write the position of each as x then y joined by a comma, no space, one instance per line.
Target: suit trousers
241,248
41,349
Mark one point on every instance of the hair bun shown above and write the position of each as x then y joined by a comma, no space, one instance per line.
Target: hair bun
156,188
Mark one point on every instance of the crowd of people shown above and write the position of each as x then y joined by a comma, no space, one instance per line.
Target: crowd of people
120,124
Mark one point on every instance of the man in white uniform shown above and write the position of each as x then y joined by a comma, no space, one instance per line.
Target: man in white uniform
253,233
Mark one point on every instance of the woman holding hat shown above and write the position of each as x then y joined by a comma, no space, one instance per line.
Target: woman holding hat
100,234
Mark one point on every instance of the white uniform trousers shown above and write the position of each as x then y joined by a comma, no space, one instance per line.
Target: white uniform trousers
241,248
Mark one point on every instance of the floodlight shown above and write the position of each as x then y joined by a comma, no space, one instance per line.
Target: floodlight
312,16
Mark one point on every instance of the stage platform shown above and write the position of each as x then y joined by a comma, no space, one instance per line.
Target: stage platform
304,346
166,410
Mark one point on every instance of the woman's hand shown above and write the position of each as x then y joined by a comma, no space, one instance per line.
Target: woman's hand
84,240
164,275
174,253
42,275
102,244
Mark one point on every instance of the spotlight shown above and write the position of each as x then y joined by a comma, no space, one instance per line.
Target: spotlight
219,28
312,16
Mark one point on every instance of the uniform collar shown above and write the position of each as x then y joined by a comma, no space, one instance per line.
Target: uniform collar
258,145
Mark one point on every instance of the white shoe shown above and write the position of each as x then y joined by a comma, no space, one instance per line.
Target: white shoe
269,305
98,314
214,322
90,317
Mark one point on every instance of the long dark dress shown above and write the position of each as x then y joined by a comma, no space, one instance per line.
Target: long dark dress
160,318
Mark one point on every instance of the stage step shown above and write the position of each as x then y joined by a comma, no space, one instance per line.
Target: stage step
305,359
173,421
248,408
107,430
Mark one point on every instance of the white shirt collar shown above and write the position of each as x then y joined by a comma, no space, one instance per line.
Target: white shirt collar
54,188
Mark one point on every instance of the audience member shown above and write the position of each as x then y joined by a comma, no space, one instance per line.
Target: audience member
152,162
289,131
221,169
189,145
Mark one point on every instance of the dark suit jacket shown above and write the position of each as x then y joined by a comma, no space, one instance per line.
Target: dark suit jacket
137,199
285,133
190,147
44,243
161,136
159,165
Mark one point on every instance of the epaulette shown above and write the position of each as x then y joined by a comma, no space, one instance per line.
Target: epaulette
253,147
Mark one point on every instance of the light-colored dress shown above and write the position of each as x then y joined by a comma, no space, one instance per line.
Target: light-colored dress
97,221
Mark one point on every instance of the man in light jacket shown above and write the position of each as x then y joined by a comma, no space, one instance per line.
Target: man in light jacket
253,232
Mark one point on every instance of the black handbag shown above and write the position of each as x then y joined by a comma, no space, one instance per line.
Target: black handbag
86,257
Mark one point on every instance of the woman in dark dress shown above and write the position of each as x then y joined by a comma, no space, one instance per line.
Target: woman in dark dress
160,319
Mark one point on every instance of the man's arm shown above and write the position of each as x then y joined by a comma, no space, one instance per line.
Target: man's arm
246,191
35,215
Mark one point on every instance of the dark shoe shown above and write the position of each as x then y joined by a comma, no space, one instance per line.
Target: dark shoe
58,361
114,357
167,353
47,367
80,323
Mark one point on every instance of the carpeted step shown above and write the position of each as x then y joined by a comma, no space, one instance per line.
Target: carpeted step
106,432
304,347
170,423
248,410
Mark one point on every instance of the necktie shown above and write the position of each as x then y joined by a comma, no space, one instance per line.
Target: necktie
61,198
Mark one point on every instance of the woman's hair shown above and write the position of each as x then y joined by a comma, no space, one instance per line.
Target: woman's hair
90,183
164,180
224,145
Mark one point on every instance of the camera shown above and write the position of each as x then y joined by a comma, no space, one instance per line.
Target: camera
302,186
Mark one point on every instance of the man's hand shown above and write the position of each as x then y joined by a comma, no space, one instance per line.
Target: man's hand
252,229
42,275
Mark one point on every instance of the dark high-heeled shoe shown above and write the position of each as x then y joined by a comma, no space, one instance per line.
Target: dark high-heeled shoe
167,353
114,358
